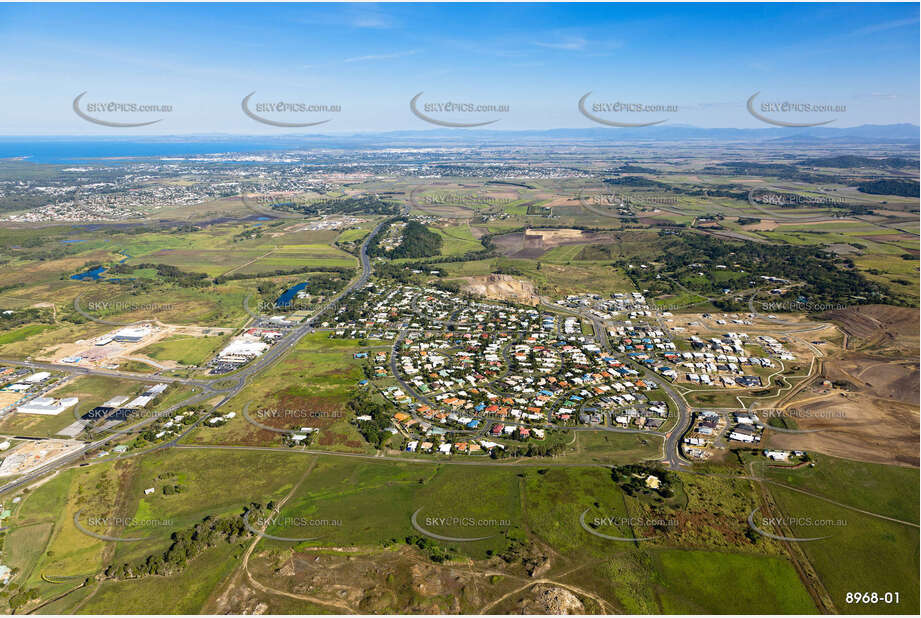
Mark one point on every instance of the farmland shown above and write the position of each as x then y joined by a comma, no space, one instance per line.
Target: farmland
507,389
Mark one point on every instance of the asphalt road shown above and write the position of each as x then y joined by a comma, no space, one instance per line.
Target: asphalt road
208,389
673,456
124,375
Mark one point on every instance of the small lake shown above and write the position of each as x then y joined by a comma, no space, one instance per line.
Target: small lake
285,299
90,274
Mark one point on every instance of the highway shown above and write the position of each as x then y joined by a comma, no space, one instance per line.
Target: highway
208,390
88,447
293,337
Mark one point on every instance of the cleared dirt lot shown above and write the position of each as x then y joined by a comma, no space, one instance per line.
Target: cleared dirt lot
764,225
881,329
882,378
870,410
503,287
854,426
535,243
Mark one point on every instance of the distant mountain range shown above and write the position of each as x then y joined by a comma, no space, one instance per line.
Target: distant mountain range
898,132
880,133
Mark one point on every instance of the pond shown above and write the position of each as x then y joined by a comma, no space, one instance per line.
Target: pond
285,299
90,274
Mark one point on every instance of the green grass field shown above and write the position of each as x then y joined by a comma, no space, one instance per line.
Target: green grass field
727,583
157,595
555,499
887,490
609,447
373,503
861,554
353,234
457,240
184,349
21,333
368,504
319,375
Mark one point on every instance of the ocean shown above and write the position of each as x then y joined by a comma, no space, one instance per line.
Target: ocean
65,152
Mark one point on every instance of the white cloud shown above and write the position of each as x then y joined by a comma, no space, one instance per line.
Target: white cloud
568,44
887,25
372,57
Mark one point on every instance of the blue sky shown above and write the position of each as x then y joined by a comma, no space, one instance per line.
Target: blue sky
371,59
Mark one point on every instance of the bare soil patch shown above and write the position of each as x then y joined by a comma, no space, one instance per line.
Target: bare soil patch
765,225
864,402
551,600
884,330
535,243
373,582
854,426
503,287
